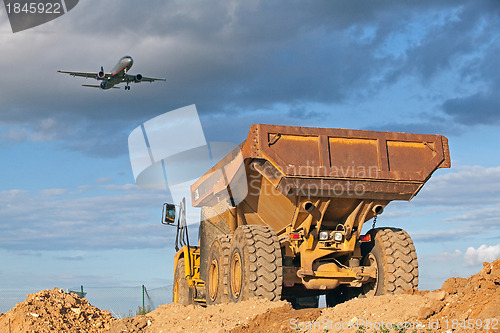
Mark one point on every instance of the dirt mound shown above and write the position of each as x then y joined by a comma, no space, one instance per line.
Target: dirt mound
461,305
476,298
54,311
278,320
171,318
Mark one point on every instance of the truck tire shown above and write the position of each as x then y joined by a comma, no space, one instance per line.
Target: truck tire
255,266
181,293
218,270
393,252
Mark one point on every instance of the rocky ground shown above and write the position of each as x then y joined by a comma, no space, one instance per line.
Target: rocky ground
461,305
55,311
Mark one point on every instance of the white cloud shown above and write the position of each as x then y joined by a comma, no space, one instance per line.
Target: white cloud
121,217
103,180
458,206
464,202
53,192
483,253
448,256
466,186
441,235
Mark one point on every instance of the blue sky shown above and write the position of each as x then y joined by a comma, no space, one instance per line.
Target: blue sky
70,212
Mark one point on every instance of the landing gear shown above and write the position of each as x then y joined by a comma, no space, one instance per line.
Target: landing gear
127,87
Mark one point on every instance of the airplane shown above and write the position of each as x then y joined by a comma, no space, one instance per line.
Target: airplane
117,75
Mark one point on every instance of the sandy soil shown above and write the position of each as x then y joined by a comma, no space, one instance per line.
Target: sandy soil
461,305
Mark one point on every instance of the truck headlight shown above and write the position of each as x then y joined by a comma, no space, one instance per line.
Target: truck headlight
323,235
338,236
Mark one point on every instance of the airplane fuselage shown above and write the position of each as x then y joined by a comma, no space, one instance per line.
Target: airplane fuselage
118,72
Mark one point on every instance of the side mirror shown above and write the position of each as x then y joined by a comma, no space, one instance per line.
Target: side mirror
168,214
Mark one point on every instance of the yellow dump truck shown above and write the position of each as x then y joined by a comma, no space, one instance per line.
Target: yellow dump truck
282,216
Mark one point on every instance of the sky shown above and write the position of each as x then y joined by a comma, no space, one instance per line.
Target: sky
70,211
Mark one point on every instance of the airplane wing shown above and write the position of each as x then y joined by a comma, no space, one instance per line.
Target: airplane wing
132,78
95,86
92,75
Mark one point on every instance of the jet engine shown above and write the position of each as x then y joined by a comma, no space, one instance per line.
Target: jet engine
103,85
138,78
101,74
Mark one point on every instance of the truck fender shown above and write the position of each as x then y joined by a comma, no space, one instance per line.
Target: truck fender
182,253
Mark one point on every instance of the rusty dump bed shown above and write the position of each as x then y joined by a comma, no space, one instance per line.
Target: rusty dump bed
278,170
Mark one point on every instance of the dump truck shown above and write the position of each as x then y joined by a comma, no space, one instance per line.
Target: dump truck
282,217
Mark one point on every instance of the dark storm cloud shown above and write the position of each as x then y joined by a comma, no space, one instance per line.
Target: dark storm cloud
475,109
233,57
483,106
246,22
479,64
429,125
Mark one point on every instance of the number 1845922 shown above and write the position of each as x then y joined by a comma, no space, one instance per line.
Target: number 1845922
34,8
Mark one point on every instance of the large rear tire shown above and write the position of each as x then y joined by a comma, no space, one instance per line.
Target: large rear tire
181,293
218,271
255,267
393,253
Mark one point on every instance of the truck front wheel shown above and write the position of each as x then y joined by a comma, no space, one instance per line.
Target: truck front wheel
393,253
218,270
181,294
255,267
